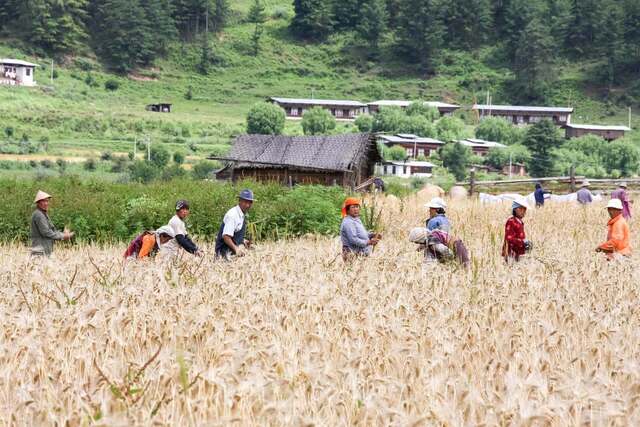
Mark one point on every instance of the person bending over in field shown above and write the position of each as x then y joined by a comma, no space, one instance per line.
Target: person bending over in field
515,241
356,240
617,244
150,243
437,215
182,239
439,246
43,232
231,236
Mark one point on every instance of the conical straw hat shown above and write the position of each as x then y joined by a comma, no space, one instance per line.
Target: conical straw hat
41,196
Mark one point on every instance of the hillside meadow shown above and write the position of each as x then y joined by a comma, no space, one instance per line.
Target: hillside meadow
290,335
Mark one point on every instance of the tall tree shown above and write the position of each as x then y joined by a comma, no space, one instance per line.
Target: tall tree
610,41
420,31
468,22
347,14
159,17
632,33
517,15
373,20
220,15
258,17
313,19
583,27
533,62
541,139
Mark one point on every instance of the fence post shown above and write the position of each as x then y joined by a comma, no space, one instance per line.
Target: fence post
472,181
572,178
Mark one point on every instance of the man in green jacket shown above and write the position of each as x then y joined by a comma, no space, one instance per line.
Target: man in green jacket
43,232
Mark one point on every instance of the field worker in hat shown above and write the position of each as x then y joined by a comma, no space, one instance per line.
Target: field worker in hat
584,196
231,236
515,242
182,239
356,240
437,215
617,243
43,232
154,242
623,196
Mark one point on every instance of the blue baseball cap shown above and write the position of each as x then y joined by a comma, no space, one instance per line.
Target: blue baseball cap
247,195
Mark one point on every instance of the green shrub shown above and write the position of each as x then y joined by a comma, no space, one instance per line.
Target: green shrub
46,163
203,169
265,119
280,12
159,156
9,131
106,155
112,85
143,171
178,158
318,121
89,164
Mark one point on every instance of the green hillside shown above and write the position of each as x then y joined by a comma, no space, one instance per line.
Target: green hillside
74,116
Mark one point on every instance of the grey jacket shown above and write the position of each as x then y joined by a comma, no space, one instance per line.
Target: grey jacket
43,233
354,236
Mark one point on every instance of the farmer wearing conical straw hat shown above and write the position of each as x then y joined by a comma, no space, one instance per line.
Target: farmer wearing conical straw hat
43,232
617,243
356,240
515,241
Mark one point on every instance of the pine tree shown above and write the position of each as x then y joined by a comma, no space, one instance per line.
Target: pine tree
313,19
518,14
258,17
420,30
632,33
159,17
468,22
220,15
373,20
533,62
348,13
610,41
584,24
541,139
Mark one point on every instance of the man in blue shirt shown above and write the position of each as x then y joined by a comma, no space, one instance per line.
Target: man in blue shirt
437,215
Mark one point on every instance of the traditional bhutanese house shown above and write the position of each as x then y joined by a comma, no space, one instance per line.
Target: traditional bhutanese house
159,108
517,169
405,169
480,147
522,115
345,160
606,132
340,109
414,145
15,72
444,108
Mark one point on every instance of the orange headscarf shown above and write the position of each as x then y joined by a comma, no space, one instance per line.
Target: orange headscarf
350,201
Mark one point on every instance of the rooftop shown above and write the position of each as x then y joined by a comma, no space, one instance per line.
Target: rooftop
398,103
300,101
409,163
7,61
598,127
474,142
409,138
522,108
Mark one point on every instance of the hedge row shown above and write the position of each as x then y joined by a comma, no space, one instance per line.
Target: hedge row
109,212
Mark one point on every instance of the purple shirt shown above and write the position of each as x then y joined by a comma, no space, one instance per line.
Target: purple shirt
584,196
621,194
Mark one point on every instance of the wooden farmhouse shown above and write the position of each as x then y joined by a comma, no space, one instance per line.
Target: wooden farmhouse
522,115
414,145
444,108
606,132
480,147
340,109
15,72
345,160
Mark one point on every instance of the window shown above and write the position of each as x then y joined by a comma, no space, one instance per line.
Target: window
28,71
420,151
393,169
409,152
346,113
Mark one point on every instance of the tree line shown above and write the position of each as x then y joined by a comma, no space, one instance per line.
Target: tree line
124,33
531,36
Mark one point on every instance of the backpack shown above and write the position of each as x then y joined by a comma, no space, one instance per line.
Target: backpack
136,244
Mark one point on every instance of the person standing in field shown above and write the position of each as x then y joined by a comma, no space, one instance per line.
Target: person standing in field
182,239
622,195
584,195
515,241
437,215
43,232
538,194
618,241
356,240
231,236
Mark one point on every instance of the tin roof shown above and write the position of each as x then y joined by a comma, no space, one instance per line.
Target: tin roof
598,127
399,103
522,108
324,102
409,139
7,61
474,142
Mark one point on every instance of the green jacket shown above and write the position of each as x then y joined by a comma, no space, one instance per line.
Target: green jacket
43,233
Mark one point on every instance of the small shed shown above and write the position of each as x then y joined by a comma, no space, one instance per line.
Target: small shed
517,169
15,72
606,132
159,108
345,160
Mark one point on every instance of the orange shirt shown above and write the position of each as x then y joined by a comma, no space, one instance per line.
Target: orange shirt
618,240
148,243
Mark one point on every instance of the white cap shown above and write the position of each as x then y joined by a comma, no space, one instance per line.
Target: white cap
436,203
41,195
166,229
418,235
520,201
615,203
623,184
585,183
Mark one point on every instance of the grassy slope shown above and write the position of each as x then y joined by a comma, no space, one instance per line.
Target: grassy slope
221,99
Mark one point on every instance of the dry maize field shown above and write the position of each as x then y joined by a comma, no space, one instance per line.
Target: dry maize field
290,335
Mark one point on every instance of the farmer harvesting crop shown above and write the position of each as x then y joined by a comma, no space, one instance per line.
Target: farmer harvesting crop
149,243
182,240
515,242
356,240
43,232
617,243
584,195
623,196
231,236
437,215
538,194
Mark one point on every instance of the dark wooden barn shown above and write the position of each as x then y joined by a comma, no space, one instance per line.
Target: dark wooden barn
159,108
345,160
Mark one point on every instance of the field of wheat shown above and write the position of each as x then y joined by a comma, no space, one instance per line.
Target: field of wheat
290,335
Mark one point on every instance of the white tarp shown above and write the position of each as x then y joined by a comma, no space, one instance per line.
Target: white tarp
510,197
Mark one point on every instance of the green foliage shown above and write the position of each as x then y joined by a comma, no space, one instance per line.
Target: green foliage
395,152
622,156
178,157
373,23
498,129
189,94
532,66
418,108
258,17
456,158
159,156
318,121
89,164
450,129
203,169
541,139
313,19
364,122
143,171
265,119
420,30
499,157
111,85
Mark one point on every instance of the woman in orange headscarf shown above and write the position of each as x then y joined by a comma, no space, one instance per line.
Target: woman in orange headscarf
355,238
